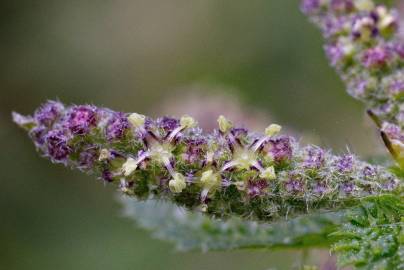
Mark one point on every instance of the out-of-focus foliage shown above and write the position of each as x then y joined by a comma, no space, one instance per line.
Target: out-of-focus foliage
194,231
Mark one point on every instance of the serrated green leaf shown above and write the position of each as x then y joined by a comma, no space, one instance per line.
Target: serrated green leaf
373,237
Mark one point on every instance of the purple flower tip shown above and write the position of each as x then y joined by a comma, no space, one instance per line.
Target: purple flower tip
117,126
48,113
342,5
168,123
58,148
376,57
320,188
314,157
194,149
310,6
88,157
334,53
392,131
348,187
107,176
256,187
38,134
369,171
280,148
345,163
294,184
81,119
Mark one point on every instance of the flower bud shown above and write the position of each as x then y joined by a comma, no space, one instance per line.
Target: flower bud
129,166
177,184
137,120
209,179
272,130
224,124
187,122
104,155
364,5
268,173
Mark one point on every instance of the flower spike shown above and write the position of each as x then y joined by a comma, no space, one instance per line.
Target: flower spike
232,172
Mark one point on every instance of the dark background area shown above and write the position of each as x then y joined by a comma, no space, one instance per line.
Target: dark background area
148,56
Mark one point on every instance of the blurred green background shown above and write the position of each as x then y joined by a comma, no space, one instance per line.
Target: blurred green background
147,56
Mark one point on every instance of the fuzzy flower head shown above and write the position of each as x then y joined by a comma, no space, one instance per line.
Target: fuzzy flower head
80,119
345,163
168,123
311,6
224,124
314,157
48,113
57,146
280,149
257,188
117,125
376,57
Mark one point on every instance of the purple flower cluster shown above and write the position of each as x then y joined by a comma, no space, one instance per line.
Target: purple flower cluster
345,163
257,188
48,113
314,157
88,157
57,145
363,45
294,185
280,148
231,170
168,124
116,127
81,119
376,57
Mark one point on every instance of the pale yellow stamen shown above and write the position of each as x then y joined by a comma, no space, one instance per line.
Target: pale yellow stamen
137,120
129,166
244,158
187,122
209,179
224,124
209,156
268,173
240,185
364,5
104,155
204,208
161,152
177,184
386,21
272,130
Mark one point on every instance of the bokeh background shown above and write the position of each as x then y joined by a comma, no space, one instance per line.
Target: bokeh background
256,61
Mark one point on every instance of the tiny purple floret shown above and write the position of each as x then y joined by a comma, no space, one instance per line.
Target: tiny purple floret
48,113
81,119
58,149
117,126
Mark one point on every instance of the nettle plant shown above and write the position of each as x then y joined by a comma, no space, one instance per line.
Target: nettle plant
246,189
